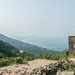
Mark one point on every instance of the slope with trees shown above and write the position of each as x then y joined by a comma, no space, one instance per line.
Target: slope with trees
31,49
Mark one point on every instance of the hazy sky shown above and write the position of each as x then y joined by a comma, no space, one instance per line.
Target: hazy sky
37,17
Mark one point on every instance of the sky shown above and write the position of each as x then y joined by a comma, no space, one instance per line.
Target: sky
45,18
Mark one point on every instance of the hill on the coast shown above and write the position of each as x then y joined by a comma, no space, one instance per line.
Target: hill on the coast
8,50
31,49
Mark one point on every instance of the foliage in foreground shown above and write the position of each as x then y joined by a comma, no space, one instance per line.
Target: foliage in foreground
19,60
56,57
8,61
70,67
11,60
72,55
52,57
28,58
4,60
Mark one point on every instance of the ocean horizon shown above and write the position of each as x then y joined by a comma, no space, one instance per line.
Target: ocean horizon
57,44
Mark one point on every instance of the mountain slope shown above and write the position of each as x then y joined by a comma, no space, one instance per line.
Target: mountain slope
31,49
8,49
11,51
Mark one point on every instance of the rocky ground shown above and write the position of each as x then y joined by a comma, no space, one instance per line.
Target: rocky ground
26,68
35,67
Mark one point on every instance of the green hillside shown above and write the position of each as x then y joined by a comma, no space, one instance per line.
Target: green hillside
8,50
31,49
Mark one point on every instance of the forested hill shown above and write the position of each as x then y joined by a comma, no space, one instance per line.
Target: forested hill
31,49
8,49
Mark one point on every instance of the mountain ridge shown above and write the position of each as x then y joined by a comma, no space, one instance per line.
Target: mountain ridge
31,49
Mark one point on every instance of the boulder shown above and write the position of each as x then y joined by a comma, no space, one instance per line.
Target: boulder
59,72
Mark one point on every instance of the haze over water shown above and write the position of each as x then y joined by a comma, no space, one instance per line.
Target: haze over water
58,44
43,18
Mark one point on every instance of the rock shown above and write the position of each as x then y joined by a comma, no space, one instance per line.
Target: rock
44,73
0,72
47,69
10,71
26,62
25,68
64,73
16,65
23,72
39,73
58,72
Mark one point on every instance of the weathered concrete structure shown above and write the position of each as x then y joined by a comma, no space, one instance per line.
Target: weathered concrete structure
71,44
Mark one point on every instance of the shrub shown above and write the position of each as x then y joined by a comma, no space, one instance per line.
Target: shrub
72,55
70,67
1,55
44,56
11,60
4,62
29,58
19,60
48,56
57,57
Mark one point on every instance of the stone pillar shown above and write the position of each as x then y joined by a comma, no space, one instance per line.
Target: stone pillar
71,44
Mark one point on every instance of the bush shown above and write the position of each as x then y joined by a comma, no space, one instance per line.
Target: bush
29,58
1,55
47,56
11,60
70,67
44,56
57,57
4,62
72,55
19,60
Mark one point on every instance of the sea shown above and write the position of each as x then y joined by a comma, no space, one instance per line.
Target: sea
57,44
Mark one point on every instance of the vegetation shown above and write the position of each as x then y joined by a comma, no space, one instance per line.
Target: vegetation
10,55
7,49
70,67
29,48
51,57
28,58
19,60
72,55
23,54
11,60
8,61
56,56
4,62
